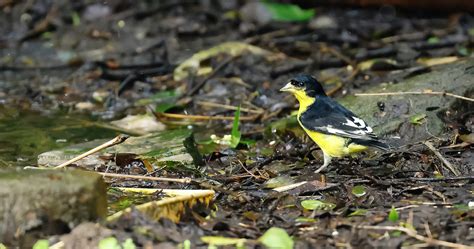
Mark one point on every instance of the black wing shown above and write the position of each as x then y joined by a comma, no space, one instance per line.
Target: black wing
329,117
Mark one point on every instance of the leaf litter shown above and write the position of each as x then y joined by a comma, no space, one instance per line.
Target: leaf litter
228,88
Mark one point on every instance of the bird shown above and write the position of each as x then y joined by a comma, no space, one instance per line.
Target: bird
335,129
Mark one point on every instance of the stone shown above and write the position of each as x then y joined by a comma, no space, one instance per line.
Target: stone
395,118
53,201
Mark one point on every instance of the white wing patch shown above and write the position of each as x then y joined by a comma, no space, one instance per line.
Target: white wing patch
358,123
332,130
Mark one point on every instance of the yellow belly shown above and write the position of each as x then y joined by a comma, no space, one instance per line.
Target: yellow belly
334,146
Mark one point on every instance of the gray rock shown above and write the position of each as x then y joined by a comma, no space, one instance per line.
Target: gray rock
456,78
56,157
255,12
323,22
165,148
48,199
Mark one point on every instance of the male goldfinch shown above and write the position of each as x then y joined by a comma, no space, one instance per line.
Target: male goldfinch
336,130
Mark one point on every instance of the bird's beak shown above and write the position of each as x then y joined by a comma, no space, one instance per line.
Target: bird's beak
287,88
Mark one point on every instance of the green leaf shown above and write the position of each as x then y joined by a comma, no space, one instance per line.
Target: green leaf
459,210
40,244
187,244
288,12
235,133
433,40
317,205
163,97
396,234
2,246
358,190
418,119
109,243
76,19
278,181
163,107
222,241
463,51
407,225
358,212
283,124
305,220
393,215
276,238
248,142
128,244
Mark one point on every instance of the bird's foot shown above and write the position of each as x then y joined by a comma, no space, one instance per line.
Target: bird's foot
320,169
327,160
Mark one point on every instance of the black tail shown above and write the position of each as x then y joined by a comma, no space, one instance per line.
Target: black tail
373,143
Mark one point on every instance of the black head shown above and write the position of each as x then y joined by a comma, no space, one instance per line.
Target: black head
309,84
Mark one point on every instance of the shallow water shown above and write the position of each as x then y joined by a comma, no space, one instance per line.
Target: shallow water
24,135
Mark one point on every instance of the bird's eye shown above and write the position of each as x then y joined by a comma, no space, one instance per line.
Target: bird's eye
296,83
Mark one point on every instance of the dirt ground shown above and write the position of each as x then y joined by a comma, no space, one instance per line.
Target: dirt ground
105,59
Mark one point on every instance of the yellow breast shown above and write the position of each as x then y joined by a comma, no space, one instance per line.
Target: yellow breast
334,146
331,145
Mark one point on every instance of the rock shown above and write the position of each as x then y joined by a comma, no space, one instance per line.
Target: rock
397,112
323,22
139,123
56,157
255,12
89,235
48,200
164,148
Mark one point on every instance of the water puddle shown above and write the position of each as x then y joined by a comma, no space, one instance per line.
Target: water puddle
24,135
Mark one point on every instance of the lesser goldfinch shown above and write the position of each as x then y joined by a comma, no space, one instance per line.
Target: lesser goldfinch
336,130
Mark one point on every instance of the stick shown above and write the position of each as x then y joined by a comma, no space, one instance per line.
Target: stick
196,88
415,235
151,178
444,179
289,187
202,117
445,162
228,107
117,140
416,93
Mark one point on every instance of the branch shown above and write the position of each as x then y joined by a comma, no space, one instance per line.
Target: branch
415,235
117,140
445,162
416,93
151,178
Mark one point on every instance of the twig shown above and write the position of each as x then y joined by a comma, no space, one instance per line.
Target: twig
416,93
151,178
415,235
444,179
337,54
427,230
289,187
228,107
202,117
445,162
253,175
273,34
117,140
196,88
332,91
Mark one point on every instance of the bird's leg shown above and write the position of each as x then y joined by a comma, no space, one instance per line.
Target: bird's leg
327,160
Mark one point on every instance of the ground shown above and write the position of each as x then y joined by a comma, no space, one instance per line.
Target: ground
108,61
